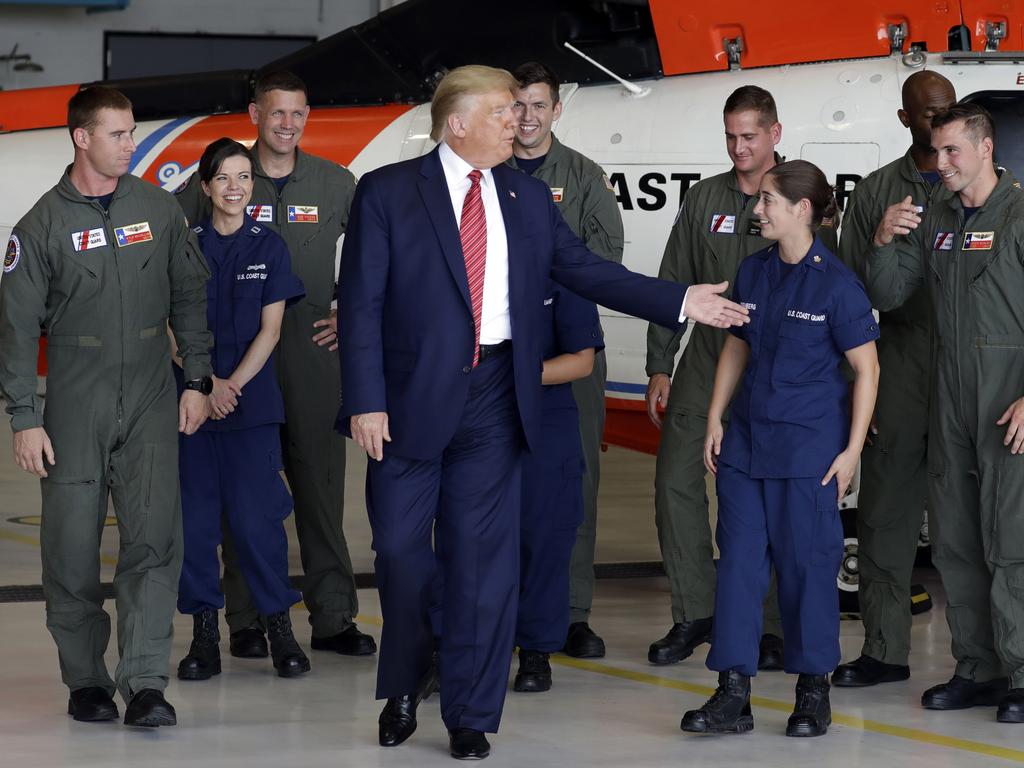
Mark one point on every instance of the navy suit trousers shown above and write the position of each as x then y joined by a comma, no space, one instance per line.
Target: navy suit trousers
467,499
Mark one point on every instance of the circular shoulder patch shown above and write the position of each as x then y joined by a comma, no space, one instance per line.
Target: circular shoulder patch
13,254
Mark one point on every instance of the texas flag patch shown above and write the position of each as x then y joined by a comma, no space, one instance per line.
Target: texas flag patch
723,223
264,213
88,239
979,241
303,214
944,241
133,233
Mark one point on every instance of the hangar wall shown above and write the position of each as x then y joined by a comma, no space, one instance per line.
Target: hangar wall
68,42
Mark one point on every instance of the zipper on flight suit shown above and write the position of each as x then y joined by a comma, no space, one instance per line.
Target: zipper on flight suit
108,226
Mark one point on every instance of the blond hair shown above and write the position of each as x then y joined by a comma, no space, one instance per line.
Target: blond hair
470,80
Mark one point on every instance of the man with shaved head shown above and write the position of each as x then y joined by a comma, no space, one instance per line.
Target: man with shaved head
894,465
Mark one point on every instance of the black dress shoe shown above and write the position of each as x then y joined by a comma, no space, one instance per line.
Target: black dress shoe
961,693
467,744
397,721
680,641
727,711
770,657
865,671
534,675
581,642
249,643
349,642
149,709
203,659
92,705
812,714
1011,708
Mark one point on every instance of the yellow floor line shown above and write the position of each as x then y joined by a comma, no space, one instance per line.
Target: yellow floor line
874,726
912,734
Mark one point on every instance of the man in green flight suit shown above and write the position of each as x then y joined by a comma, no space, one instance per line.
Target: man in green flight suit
587,202
102,262
714,231
894,468
968,249
306,200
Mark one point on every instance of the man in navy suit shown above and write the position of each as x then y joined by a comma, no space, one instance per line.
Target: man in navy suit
440,301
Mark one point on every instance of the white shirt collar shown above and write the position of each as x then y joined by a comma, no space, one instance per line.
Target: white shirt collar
456,170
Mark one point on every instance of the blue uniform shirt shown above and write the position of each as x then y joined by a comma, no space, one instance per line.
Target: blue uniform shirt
248,270
571,325
791,417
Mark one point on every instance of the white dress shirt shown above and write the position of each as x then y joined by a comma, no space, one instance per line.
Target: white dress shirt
495,325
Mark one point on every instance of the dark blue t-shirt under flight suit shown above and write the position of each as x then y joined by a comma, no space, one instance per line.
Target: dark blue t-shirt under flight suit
552,482
788,422
233,464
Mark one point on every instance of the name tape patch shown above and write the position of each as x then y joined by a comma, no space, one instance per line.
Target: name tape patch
979,241
13,254
133,233
723,223
88,239
264,213
944,241
303,214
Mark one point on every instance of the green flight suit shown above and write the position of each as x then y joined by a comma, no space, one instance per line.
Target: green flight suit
310,212
713,232
103,285
975,277
587,202
894,469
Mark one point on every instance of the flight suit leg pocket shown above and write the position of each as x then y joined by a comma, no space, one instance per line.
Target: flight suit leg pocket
827,541
1008,535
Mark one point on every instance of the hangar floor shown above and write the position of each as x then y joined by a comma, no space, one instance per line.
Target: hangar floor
608,712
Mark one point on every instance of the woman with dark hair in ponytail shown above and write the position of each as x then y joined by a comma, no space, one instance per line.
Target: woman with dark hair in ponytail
790,451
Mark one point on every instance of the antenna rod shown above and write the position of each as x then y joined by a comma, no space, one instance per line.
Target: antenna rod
636,90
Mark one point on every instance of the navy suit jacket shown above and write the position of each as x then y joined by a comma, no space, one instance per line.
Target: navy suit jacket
405,325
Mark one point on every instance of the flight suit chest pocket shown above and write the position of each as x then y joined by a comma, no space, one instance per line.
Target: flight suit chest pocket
247,308
801,351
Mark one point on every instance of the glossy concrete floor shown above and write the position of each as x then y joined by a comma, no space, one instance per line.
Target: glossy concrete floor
616,711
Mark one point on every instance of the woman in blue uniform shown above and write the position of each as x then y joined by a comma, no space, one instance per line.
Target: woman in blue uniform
231,467
789,454
552,507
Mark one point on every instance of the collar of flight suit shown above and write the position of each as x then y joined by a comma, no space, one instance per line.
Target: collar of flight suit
734,181
556,153
302,167
69,191
1004,186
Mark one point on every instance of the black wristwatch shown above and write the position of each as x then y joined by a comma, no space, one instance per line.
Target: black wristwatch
203,386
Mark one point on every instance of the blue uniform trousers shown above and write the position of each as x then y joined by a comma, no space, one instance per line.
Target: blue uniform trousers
552,511
794,525
468,500
235,473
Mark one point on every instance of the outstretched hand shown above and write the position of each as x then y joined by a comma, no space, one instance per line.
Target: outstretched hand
705,304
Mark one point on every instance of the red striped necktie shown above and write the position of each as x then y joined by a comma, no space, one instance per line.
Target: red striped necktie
473,233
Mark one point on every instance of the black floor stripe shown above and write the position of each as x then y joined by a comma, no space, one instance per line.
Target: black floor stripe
30,593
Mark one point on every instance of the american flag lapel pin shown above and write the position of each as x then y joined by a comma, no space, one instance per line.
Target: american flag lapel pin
512,193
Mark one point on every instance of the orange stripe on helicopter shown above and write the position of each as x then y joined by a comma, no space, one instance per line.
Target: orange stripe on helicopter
336,133
25,109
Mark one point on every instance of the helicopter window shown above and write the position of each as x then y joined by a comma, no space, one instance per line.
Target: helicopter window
1007,110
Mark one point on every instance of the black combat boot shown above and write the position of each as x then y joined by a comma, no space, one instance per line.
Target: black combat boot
534,673
727,711
812,714
289,660
203,659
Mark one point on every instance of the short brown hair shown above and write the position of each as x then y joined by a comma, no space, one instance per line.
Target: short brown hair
282,80
752,97
470,80
84,107
533,72
977,121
